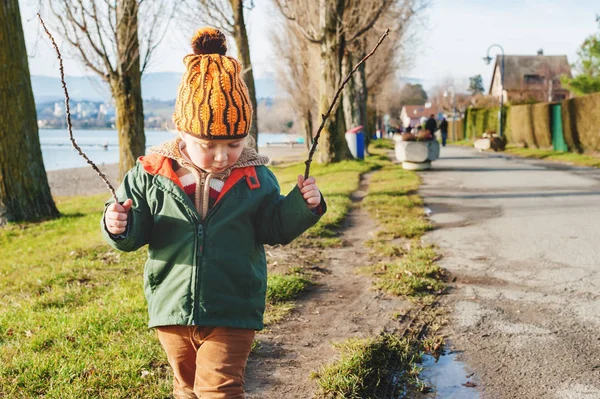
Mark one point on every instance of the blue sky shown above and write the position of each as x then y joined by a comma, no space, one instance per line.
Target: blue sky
452,37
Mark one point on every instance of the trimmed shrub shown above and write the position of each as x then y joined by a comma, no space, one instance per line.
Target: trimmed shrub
581,122
520,126
481,120
530,125
460,130
540,120
569,126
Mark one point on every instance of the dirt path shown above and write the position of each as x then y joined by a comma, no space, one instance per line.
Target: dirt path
341,305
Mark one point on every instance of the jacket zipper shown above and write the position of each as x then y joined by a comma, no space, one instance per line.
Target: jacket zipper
198,286
200,227
199,247
200,250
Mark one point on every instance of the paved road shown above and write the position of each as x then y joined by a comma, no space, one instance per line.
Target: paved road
522,241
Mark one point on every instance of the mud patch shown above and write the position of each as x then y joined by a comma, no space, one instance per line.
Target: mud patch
450,215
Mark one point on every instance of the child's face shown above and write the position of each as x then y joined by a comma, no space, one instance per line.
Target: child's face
212,156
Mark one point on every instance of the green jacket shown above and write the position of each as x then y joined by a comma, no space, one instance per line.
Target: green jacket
209,272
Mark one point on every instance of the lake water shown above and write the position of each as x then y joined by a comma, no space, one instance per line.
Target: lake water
59,154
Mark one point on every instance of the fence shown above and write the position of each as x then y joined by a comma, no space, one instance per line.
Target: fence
572,124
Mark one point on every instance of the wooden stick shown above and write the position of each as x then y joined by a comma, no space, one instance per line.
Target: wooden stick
335,98
68,114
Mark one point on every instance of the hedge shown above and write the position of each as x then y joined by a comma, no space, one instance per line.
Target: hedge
581,122
530,125
481,120
460,135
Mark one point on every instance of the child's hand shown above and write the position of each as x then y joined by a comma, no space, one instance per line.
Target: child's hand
115,217
309,191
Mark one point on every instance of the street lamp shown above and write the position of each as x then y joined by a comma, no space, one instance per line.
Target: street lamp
453,100
488,60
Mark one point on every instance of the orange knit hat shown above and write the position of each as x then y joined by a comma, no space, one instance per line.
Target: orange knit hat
213,101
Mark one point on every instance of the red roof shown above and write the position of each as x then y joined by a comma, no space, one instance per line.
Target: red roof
417,111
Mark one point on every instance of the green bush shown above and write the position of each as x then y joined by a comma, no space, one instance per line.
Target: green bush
481,120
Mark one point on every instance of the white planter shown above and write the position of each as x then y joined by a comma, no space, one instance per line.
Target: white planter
485,144
417,155
482,144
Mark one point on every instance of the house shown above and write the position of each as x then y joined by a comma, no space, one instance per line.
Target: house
412,114
531,78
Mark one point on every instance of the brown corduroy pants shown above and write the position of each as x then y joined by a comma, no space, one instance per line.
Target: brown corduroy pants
207,362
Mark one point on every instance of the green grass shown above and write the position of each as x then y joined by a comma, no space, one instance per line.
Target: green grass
364,363
74,323
415,275
462,143
557,156
336,182
282,289
384,143
393,201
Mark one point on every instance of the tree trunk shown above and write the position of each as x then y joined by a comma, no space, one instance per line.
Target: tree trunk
241,40
371,113
350,100
355,99
24,190
362,96
126,88
333,146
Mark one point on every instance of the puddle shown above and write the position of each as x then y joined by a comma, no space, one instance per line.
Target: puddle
446,376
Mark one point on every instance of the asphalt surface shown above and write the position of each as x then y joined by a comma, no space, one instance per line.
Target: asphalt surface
521,239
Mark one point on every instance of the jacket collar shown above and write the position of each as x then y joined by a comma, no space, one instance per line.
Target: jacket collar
159,162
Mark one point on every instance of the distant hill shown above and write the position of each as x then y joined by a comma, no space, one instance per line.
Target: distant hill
159,86
90,88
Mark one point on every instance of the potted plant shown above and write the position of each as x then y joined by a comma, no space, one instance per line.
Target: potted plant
416,151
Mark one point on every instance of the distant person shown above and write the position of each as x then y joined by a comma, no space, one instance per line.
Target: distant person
206,204
431,125
444,129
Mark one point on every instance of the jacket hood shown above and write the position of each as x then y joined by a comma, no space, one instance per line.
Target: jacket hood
172,149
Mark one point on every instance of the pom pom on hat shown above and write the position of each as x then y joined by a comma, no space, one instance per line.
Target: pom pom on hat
209,40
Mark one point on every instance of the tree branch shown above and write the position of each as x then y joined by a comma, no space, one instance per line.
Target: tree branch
291,16
337,94
68,114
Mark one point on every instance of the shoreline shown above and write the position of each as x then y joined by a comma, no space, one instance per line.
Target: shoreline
85,181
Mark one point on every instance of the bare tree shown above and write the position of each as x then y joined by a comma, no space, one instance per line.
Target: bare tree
450,93
297,67
357,14
228,16
327,29
104,35
24,190
343,29
383,72
276,116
